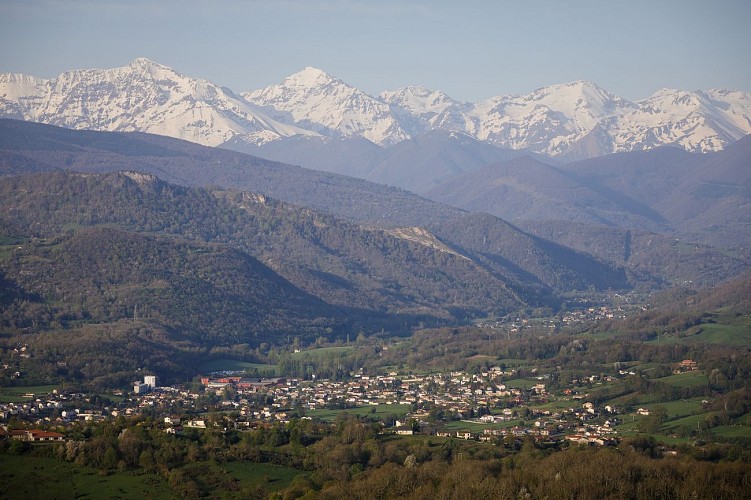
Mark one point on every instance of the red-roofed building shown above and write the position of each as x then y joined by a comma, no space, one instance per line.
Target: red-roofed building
35,435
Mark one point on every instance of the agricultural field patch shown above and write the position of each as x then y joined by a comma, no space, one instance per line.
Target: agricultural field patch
40,477
270,477
688,379
376,411
322,353
19,394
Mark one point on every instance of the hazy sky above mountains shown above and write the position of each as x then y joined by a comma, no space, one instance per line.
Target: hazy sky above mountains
471,50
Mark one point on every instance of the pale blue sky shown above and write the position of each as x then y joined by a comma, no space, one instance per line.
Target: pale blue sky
471,50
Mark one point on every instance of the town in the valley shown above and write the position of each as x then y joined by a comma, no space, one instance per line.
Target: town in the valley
473,406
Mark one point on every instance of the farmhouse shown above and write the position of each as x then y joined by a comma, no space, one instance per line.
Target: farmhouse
687,365
35,435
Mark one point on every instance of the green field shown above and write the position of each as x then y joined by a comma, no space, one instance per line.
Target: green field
732,431
510,362
631,399
520,383
688,379
682,407
644,367
690,422
629,423
681,419
37,477
727,331
664,439
479,359
219,365
269,476
323,353
478,427
561,404
377,412
6,239
16,394
715,333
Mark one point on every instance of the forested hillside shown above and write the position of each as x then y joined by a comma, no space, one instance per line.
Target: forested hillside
340,262
125,255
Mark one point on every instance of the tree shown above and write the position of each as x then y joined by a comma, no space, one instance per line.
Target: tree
109,460
19,447
146,460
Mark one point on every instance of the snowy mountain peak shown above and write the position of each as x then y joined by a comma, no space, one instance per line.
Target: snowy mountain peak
550,120
138,71
418,99
415,91
140,62
678,98
146,66
581,86
423,109
578,94
313,99
700,121
20,79
310,77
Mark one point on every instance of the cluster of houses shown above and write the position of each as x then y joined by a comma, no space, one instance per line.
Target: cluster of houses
456,392
481,399
35,406
54,408
591,314
472,398
582,315
579,425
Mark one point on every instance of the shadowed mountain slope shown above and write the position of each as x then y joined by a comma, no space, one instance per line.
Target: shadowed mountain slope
189,164
527,189
44,147
339,262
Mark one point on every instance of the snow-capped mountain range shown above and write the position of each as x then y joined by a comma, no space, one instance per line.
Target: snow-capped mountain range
143,96
570,121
